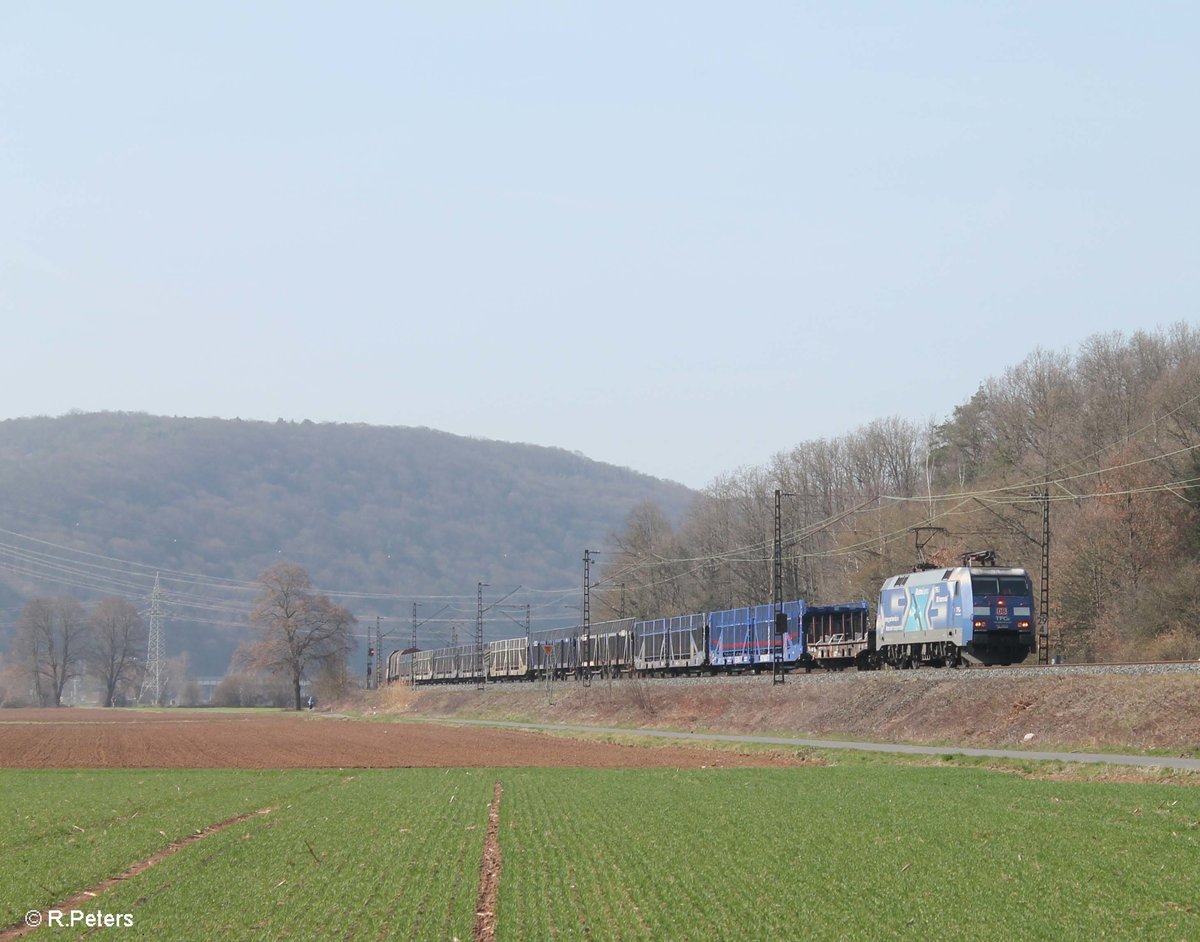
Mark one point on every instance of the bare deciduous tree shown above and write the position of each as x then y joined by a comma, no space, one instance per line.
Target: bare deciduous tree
646,564
118,644
52,639
298,627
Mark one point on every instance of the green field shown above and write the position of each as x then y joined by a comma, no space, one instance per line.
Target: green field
870,850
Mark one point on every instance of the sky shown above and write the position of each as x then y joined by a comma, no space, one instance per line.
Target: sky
675,237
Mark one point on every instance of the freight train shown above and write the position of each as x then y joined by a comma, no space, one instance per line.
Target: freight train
739,639
977,613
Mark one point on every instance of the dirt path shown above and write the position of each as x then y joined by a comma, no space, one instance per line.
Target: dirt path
489,874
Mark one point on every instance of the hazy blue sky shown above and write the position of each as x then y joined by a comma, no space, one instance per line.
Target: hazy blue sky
677,237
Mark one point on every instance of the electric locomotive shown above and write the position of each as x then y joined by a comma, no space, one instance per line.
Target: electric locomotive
977,612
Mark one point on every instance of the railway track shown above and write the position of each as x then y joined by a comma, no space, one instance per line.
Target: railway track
1104,667
1116,668
800,677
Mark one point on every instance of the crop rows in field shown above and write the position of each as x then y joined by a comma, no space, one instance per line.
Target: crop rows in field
859,851
68,830
367,852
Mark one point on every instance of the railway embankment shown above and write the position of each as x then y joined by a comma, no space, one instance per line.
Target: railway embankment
1080,708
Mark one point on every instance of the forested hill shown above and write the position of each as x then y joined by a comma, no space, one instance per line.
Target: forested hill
402,511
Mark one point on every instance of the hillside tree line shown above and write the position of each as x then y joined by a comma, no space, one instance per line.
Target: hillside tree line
1107,437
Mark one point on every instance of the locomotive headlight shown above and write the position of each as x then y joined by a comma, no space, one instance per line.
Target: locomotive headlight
1023,624
980,624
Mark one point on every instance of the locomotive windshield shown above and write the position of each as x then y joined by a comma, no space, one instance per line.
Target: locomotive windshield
999,585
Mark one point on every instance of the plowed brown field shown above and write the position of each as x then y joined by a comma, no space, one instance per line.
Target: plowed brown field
80,738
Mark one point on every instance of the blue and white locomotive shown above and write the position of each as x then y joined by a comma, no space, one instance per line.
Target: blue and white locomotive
979,613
